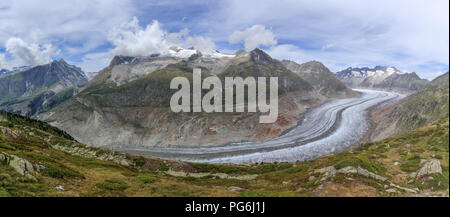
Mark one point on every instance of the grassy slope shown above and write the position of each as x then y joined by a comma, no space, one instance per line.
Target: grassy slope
81,176
417,110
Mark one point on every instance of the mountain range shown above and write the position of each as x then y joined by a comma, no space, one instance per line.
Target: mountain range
26,91
128,102
382,78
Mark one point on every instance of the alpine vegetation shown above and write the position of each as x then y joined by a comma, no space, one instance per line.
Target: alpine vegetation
212,101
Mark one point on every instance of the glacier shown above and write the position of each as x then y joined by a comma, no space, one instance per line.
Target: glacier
329,128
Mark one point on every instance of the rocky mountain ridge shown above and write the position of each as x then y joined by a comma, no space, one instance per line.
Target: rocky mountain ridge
419,109
26,91
6,72
382,78
321,78
127,103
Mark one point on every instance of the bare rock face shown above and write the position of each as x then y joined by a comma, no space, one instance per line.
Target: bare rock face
20,165
429,168
25,92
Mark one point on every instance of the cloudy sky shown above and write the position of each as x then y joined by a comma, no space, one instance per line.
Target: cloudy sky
412,35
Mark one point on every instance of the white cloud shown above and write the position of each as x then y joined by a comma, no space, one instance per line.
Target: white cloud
132,40
405,33
253,37
80,22
30,54
203,44
75,27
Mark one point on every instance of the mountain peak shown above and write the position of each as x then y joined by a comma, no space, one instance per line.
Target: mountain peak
314,63
117,60
62,61
258,55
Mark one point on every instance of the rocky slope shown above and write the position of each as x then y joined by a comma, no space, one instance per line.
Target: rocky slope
37,159
320,77
417,110
128,103
382,78
25,92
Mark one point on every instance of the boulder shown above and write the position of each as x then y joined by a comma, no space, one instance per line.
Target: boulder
431,167
20,165
347,170
328,171
234,188
368,174
391,190
60,188
362,172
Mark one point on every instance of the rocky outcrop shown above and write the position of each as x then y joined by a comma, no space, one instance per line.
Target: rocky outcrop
429,168
20,165
216,175
331,171
8,132
94,153
328,172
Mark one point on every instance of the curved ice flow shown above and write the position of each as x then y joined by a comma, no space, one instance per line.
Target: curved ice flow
312,138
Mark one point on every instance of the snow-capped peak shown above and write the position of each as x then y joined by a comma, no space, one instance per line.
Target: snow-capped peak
377,72
13,70
186,53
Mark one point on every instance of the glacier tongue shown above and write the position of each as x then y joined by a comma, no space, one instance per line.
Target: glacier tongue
328,128
351,129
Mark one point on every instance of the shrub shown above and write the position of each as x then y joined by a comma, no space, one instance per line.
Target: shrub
62,172
411,164
140,161
146,179
164,168
55,172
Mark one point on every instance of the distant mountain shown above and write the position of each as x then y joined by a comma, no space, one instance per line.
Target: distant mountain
6,72
320,77
259,64
382,78
26,91
127,103
90,75
417,110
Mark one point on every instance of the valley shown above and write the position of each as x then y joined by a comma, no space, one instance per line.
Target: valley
328,128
